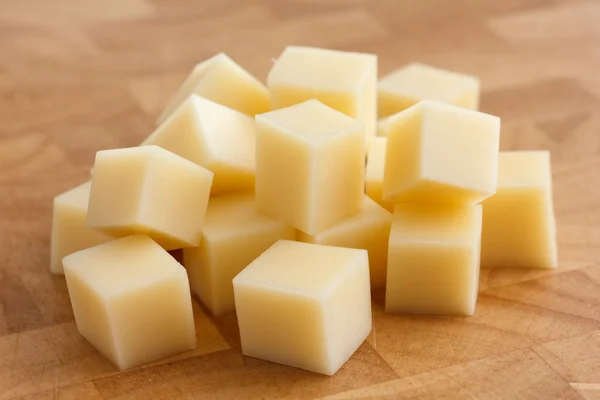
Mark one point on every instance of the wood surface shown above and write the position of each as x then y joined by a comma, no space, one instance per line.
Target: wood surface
77,76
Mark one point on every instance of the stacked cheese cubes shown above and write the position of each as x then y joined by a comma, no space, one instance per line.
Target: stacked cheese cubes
265,189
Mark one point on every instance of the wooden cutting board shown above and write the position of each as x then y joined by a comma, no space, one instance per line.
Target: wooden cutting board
79,76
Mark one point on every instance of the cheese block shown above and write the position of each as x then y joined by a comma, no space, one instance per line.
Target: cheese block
437,153
369,230
234,234
374,172
433,264
149,190
310,165
407,86
69,233
213,136
223,81
519,227
344,81
304,305
131,301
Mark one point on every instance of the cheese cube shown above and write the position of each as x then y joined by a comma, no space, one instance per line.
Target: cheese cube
69,233
212,136
519,228
310,165
234,234
222,80
369,230
131,301
344,81
415,82
304,305
437,153
433,264
374,172
149,190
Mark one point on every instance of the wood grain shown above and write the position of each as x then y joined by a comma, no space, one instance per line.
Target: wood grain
80,76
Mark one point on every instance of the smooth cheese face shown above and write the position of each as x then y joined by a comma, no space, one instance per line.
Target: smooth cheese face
149,190
234,234
433,263
344,81
437,153
407,86
519,227
304,305
309,165
369,230
222,80
131,301
382,126
374,172
215,137
69,233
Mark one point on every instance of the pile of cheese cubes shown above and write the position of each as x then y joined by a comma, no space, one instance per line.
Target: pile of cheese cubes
264,190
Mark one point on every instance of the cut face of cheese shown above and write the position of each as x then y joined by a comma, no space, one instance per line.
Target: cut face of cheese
304,305
519,227
374,172
215,137
223,81
131,301
437,153
344,81
407,86
369,230
433,262
234,234
149,190
69,233
309,165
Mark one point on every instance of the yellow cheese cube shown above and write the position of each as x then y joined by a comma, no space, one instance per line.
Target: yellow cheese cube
304,305
69,233
223,81
149,190
374,172
215,137
310,165
344,81
415,82
433,264
437,153
369,230
131,300
234,234
519,228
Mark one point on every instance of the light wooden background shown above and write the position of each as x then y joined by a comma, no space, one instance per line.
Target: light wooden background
77,76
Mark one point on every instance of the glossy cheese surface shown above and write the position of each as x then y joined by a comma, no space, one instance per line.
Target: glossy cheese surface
131,301
223,81
149,190
374,172
369,230
215,137
519,226
69,232
438,153
344,81
309,165
234,234
407,86
433,262
304,305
